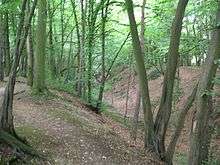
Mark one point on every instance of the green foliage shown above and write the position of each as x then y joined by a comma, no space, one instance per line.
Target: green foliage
9,6
154,74
59,84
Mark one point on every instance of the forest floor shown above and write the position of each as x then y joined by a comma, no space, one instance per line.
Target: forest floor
126,88
60,126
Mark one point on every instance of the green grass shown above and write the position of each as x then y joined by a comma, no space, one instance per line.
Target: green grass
180,159
33,135
65,116
119,118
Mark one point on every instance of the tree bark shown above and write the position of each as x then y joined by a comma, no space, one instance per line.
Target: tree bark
39,71
180,124
136,116
51,46
142,76
103,36
7,46
199,146
137,106
2,47
6,116
30,53
165,108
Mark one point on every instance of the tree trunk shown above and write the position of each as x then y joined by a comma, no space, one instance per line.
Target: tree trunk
103,79
165,108
7,46
137,107
30,53
61,60
136,116
199,146
51,47
2,47
78,52
180,125
6,115
142,76
39,72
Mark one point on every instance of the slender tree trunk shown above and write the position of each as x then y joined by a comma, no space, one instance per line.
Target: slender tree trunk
137,106
70,57
51,47
199,147
92,17
30,52
82,48
78,52
180,124
23,64
165,108
39,72
128,89
136,116
6,115
2,47
81,89
7,46
90,49
62,3
103,79
143,82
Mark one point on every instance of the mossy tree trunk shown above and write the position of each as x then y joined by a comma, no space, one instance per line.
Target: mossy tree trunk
39,61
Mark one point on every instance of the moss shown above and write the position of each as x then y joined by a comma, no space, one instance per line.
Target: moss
118,118
47,95
78,121
125,122
180,158
65,116
38,139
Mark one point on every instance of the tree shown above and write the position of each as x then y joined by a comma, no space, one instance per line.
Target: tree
103,63
2,50
163,115
39,71
142,76
51,46
137,106
199,147
30,52
7,131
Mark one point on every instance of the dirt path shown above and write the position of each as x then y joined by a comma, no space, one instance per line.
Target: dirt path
70,134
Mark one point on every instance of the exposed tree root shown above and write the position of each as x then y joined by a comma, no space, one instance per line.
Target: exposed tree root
19,145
